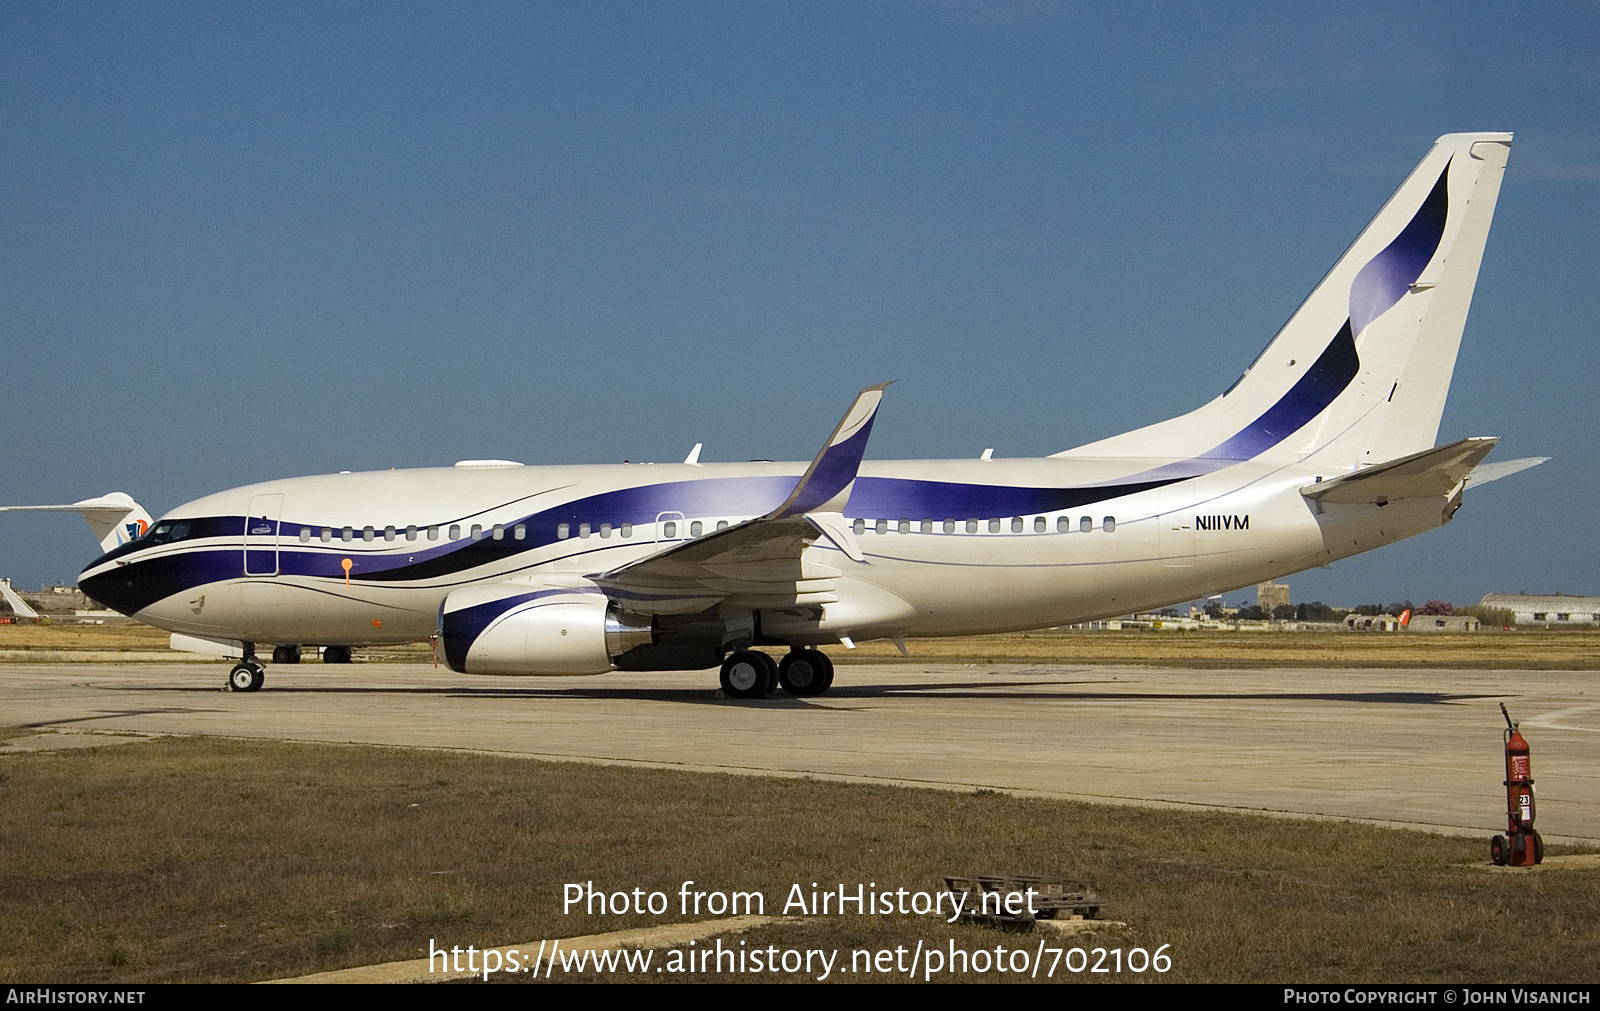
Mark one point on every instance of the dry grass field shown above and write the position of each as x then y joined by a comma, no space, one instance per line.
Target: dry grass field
194,859
1524,650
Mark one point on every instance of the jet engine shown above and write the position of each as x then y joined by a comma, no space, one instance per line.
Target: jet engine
527,628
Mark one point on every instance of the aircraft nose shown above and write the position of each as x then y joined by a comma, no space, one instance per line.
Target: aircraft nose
114,588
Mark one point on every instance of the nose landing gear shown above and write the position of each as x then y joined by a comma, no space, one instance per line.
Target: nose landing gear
247,676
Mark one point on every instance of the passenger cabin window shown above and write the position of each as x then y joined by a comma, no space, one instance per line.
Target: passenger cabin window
1109,524
583,530
433,533
972,526
411,532
605,531
563,531
367,533
305,535
949,526
994,525
1063,525
348,533
905,526
519,532
669,528
722,524
927,526
388,533
859,526
882,527
1038,524
327,534
1016,524
1085,524
627,529
695,528
455,531
477,531
499,532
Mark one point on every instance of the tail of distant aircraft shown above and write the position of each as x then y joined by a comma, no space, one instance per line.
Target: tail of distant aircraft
1359,374
114,518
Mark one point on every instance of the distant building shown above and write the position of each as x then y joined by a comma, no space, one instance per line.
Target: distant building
1444,623
1554,611
1270,596
1372,623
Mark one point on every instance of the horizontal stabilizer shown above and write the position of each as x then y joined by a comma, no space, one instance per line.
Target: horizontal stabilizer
115,518
1430,473
1505,468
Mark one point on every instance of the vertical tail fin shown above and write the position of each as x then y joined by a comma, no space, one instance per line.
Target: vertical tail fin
1360,372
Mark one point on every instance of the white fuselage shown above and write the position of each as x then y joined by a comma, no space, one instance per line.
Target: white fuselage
412,537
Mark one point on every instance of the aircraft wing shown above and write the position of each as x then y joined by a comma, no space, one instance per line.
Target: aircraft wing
1432,472
759,563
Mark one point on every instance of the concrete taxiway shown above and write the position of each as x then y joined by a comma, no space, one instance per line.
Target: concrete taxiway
1409,747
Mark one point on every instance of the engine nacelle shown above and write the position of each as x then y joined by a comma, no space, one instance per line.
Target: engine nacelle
524,628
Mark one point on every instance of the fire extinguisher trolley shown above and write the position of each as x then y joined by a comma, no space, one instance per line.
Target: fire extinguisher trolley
1521,845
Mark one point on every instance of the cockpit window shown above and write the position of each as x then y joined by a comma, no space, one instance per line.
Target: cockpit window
164,533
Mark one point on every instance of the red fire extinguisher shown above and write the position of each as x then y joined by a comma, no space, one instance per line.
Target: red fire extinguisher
1521,845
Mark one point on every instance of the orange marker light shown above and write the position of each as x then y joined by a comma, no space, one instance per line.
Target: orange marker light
345,564
376,623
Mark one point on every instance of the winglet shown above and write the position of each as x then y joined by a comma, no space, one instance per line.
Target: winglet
826,484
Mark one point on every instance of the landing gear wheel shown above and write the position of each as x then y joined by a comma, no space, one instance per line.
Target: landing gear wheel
1538,847
336,654
286,654
246,677
805,672
1497,851
748,674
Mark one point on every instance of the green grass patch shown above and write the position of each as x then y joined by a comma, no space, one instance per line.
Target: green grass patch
216,860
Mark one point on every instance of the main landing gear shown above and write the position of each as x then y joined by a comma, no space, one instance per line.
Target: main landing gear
752,674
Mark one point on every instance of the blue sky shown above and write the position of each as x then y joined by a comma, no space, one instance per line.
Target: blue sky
255,241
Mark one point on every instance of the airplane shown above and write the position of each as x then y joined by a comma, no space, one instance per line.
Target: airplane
1322,449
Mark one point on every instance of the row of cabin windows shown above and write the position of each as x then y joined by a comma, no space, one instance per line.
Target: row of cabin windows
564,530
497,532
669,529
1018,525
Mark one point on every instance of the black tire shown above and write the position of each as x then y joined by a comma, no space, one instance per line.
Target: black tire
336,654
1538,846
805,672
246,677
1497,851
748,674
286,654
